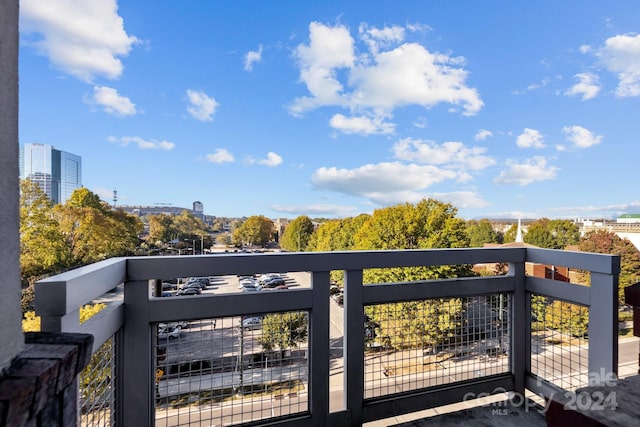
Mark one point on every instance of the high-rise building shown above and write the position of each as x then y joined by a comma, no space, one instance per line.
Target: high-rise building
57,172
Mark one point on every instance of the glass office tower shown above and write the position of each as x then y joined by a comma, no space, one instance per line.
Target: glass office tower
57,172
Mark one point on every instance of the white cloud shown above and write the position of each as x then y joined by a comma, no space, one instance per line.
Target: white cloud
142,144
112,102
360,125
530,138
612,210
621,55
449,153
376,38
483,134
379,181
220,155
252,57
83,38
381,80
585,48
544,82
272,160
104,194
533,170
201,106
317,210
581,137
588,86
461,199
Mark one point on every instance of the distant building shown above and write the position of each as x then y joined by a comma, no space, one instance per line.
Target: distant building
58,173
155,210
628,219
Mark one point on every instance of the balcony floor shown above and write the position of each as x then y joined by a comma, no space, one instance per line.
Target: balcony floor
493,411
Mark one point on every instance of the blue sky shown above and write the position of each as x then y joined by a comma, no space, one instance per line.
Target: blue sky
333,108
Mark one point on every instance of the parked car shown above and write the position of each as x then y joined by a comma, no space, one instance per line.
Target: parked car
281,287
252,323
167,332
183,324
250,281
192,285
203,282
189,291
334,289
267,276
166,286
273,282
255,288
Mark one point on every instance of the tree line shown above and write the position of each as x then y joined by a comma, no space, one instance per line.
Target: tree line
85,230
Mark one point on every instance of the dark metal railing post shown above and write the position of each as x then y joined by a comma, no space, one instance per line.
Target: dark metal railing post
603,328
354,345
520,328
138,380
318,352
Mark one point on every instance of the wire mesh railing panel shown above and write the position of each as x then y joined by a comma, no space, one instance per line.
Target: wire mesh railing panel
96,387
419,344
559,342
231,370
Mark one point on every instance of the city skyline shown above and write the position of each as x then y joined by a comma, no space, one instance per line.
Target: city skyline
331,110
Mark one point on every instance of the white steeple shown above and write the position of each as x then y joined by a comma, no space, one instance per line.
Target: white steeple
519,233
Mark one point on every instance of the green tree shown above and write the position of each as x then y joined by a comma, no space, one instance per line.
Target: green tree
481,232
565,232
428,224
552,234
417,324
43,248
538,235
605,242
337,235
162,228
284,330
297,234
510,235
93,230
184,227
224,239
255,230
571,319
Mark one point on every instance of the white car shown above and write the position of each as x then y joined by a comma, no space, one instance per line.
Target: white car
182,323
167,332
252,288
247,282
252,323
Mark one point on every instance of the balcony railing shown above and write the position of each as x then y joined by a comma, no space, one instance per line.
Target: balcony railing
310,362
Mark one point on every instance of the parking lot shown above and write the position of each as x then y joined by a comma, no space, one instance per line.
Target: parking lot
230,284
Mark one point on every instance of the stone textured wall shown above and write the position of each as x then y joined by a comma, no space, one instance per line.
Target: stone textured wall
39,388
11,338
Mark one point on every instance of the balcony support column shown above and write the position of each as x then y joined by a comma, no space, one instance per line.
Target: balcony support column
137,357
603,328
319,343
354,345
521,328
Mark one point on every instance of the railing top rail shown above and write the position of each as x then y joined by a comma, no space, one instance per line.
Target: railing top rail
143,268
64,293
596,263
